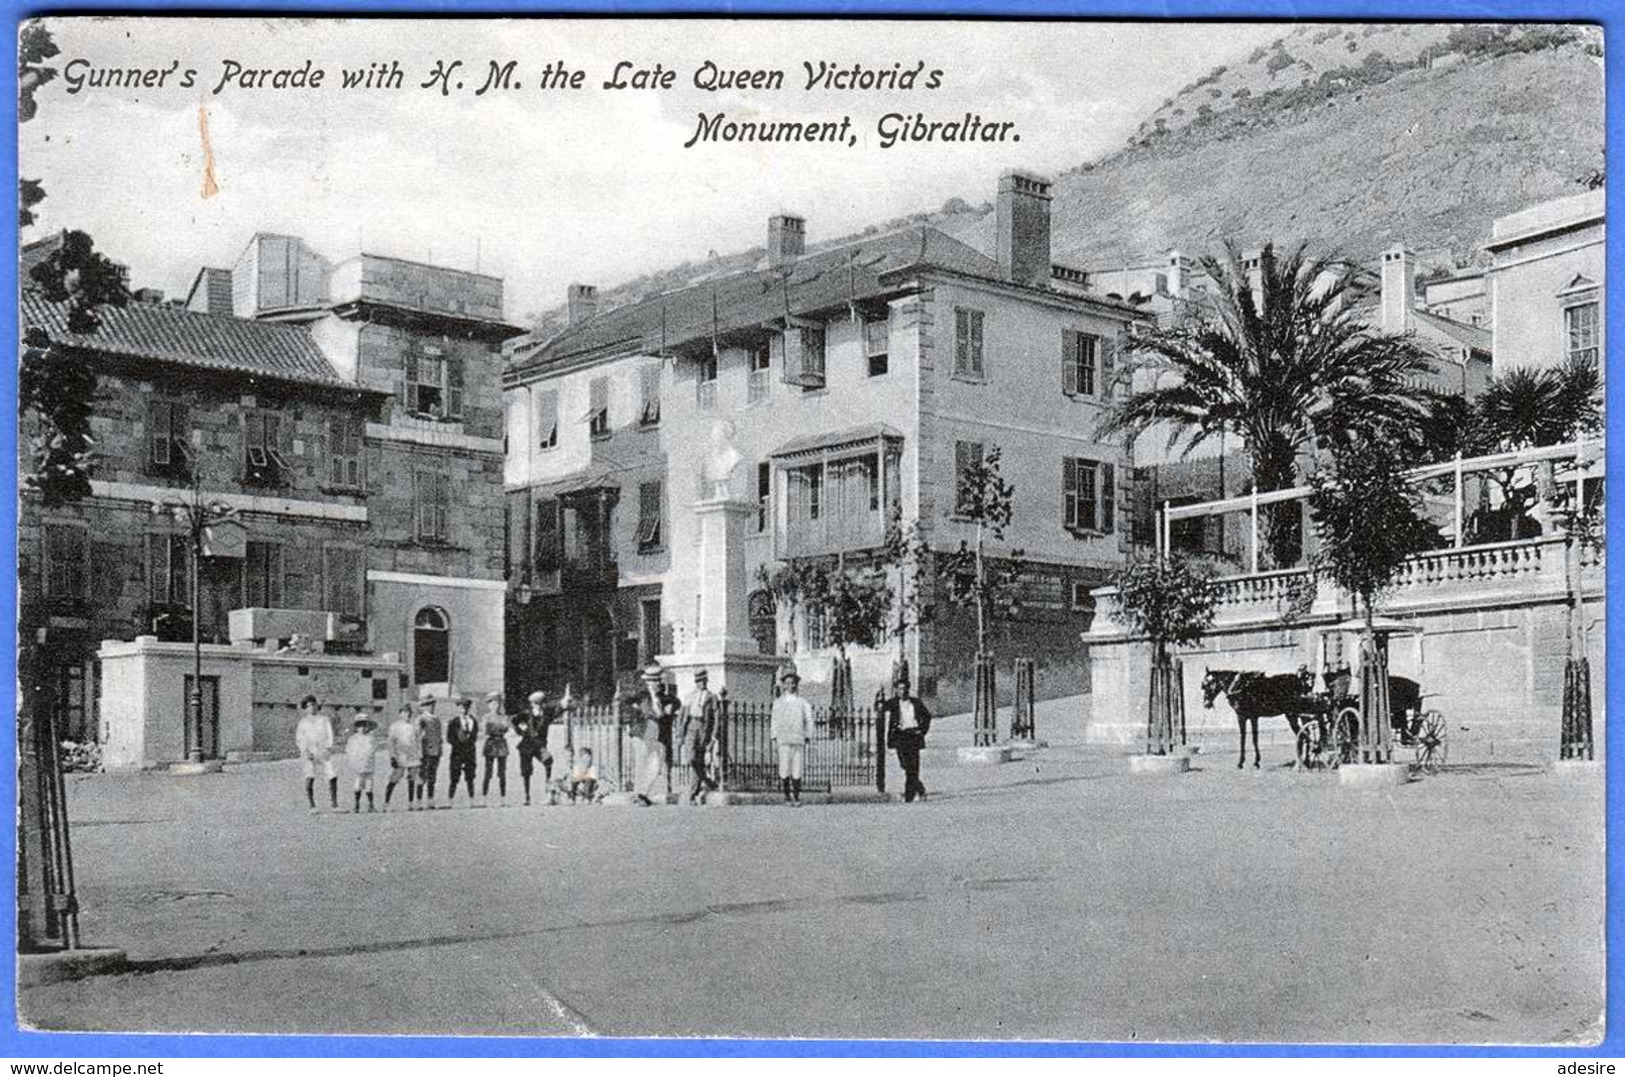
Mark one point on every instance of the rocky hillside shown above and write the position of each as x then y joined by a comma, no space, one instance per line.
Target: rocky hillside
1350,137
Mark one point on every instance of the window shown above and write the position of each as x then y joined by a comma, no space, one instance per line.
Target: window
344,451
1080,363
649,390
267,440
967,457
342,582
764,493
434,383
968,343
262,575
876,342
431,498
1082,596
804,488
548,553
67,563
598,408
761,373
547,419
705,385
1088,494
169,437
168,581
801,351
1582,328
648,516
832,505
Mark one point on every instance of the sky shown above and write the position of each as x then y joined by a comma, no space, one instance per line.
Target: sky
548,187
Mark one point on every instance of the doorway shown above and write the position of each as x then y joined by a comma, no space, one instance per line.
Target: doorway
431,647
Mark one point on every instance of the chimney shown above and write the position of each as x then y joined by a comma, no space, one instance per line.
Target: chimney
786,238
1179,268
1398,289
581,303
1252,265
1023,220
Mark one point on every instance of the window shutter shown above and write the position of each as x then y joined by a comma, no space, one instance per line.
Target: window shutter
412,381
158,420
284,437
180,428
1069,492
1108,366
1071,345
1108,497
547,556
977,366
598,403
649,378
547,419
789,348
961,341
961,468
454,387
812,352
157,568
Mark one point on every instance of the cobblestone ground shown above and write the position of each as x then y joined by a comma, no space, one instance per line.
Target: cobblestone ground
1058,898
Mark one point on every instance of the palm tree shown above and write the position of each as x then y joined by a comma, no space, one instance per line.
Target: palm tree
1287,364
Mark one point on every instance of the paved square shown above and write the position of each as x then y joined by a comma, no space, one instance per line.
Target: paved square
1058,897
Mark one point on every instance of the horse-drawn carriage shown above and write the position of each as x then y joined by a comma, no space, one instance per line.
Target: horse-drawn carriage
1326,722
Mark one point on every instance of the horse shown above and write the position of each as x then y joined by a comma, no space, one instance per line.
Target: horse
1256,695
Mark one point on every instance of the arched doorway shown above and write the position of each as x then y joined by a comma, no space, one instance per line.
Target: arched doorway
431,646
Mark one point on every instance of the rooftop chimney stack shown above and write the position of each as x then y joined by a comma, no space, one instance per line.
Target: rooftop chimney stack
1024,232
786,238
1252,266
581,303
1178,275
1398,289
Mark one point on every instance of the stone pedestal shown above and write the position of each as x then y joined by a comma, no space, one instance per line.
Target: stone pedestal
723,645
1159,764
984,755
1578,768
1373,775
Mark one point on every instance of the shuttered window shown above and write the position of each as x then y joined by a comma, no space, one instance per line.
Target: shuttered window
431,504
1080,363
169,436
598,407
649,516
967,457
344,451
549,552
263,575
267,446
649,391
968,343
67,563
167,579
547,419
434,383
342,583
1088,494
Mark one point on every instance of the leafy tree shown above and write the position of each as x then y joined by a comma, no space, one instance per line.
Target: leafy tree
1289,366
1171,601
788,587
906,554
1367,518
34,46
987,501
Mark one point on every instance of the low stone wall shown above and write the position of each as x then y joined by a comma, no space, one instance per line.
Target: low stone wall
1489,654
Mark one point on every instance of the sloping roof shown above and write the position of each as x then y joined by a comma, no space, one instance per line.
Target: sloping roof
1475,337
818,281
189,338
836,439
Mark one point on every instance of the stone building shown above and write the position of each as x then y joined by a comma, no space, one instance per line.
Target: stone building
1546,282
858,380
355,426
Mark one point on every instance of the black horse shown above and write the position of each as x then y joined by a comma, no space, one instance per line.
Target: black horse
1256,695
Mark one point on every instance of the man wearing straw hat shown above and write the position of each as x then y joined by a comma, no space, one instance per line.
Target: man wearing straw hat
701,718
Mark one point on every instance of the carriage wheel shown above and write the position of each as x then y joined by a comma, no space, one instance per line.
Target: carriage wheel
1306,747
1432,742
1346,734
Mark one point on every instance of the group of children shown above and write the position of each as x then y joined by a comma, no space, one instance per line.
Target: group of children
417,740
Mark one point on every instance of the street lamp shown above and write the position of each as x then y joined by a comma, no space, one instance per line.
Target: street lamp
196,516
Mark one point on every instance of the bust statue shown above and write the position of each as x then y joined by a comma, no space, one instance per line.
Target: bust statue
723,461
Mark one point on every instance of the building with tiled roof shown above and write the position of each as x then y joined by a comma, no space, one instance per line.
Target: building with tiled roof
857,381
353,422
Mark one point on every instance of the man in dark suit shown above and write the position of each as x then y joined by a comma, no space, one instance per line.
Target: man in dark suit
907,722
462,732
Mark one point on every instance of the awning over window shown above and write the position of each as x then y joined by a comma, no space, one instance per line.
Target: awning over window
816,444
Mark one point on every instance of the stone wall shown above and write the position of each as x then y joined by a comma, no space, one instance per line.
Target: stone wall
1489,654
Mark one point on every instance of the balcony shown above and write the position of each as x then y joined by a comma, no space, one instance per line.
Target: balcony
832,535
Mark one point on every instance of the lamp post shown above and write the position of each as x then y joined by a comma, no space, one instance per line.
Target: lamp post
196,516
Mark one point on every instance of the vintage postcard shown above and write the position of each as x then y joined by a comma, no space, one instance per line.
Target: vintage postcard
838,528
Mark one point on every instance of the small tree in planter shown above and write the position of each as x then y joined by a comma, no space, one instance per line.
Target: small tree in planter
1171,601
788,586
855,604
1366,519
985,500
907,557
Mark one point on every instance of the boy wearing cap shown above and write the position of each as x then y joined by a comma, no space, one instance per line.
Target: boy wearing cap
700,720
360,753
314,738
405,756
430,740
462,733
533,727
791,724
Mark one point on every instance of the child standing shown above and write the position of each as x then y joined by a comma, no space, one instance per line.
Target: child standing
405,756
360,754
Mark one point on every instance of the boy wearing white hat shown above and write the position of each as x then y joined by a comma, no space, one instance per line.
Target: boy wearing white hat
360,754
